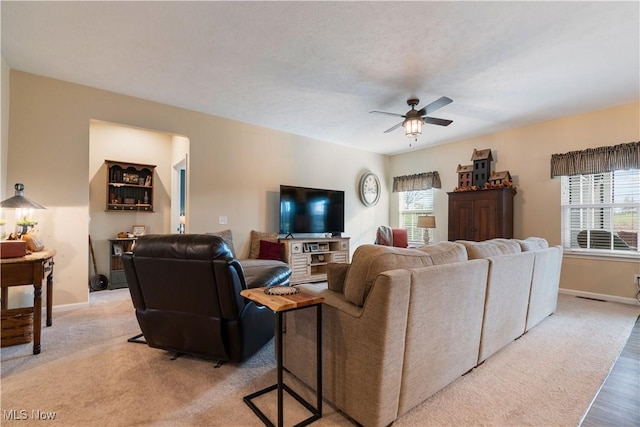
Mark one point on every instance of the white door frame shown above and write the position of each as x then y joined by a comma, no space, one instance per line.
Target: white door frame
175,192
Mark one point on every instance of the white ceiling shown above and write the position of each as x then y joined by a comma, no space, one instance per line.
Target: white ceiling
317,68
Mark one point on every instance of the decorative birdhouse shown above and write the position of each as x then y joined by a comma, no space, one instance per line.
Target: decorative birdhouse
499,178
465,174
481,166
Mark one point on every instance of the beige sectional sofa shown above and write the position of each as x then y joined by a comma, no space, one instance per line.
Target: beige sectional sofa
401,324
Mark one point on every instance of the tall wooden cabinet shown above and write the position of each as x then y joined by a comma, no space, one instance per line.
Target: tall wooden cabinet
481,215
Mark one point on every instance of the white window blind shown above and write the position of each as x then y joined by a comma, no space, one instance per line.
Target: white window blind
601,212
412,205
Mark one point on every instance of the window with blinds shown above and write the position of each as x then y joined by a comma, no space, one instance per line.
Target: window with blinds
412,205
601,212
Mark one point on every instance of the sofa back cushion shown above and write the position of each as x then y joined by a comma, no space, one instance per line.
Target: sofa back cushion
507,299
445,252
370,260
489,248
256,236
532,244
227,237
444,324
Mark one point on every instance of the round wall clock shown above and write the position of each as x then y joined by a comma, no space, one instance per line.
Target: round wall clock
369,189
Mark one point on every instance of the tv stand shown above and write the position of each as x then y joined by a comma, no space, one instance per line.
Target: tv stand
308,258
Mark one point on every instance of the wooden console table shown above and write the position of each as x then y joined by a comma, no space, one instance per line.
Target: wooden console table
30,270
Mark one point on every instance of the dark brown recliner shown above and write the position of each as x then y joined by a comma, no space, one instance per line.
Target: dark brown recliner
186,293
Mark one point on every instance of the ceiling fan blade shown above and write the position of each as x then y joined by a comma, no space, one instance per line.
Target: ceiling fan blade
435,105
388,114
393,127
439,122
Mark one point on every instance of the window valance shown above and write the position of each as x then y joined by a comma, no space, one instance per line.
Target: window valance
420,181
596,160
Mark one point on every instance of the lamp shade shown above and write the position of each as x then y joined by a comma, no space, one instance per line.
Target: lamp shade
412,126
19,201
426,222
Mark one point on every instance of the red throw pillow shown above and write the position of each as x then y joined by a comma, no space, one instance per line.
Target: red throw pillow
400,237
270,250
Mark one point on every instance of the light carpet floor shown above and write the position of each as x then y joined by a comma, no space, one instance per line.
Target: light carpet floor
89,375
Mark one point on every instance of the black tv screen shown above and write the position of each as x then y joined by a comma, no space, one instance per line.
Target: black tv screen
311,210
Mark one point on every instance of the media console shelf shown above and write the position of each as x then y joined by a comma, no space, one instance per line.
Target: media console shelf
308,258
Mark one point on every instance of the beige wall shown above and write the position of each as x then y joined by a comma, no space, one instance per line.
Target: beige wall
4,126
235,169
526,153
108,141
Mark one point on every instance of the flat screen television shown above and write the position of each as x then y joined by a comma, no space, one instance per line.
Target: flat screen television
311,210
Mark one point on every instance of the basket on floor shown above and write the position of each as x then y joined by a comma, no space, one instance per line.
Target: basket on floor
17,326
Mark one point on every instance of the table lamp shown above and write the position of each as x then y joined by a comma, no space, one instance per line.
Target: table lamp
426,222
24,208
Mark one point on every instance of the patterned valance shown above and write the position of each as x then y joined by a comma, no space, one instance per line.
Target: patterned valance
596,160
420,181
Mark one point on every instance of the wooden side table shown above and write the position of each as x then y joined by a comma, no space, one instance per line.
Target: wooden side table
30,270
280,304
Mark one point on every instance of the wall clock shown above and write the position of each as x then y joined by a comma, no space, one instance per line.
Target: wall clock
369,189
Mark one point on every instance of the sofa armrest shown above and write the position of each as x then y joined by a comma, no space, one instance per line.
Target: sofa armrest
332,298
336,275
363,347
278,275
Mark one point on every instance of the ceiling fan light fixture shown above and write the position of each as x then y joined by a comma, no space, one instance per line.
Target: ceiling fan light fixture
412,127
414,119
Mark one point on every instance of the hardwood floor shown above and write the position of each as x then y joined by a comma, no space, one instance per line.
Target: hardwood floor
618,402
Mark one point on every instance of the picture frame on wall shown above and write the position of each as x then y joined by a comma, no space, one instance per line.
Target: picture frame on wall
139,230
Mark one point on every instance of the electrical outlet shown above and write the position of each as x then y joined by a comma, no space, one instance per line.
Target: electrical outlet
222,219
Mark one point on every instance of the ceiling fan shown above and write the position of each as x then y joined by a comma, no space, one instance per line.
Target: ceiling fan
414,119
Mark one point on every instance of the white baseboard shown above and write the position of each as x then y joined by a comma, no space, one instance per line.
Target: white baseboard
605,297
68,307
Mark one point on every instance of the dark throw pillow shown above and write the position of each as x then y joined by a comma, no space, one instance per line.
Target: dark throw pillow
270,250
